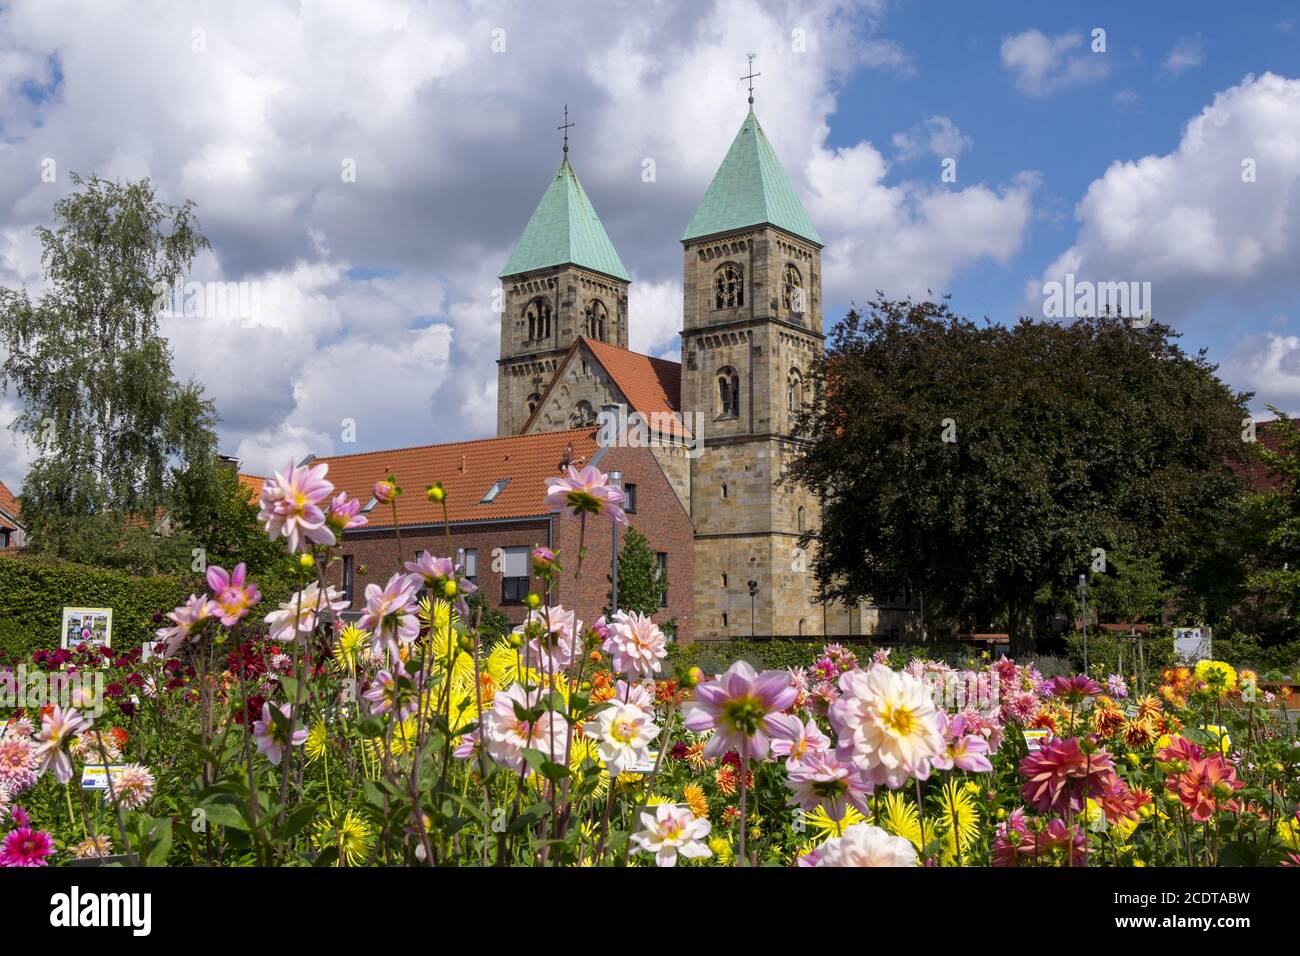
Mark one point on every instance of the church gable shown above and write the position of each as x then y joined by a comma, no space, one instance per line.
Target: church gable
575,396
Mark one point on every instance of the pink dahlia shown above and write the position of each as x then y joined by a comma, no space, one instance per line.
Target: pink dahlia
58,728
1205,786
519,719
290,506
636,643
303,611
550,635
232,597
865,845
742,708
798,739
1073,690
345,513
186,620
273,737
26,847
828,781
585,492
1062,775
19,767
390,614
887,723
965,750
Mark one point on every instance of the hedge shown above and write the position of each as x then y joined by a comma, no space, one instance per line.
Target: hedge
713,657
34,592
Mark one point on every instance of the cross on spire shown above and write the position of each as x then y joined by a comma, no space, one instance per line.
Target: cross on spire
565,128
750,76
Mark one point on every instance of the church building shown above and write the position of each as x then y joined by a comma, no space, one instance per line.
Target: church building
707,439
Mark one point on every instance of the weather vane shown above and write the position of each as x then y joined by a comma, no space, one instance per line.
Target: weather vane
750,77
565,128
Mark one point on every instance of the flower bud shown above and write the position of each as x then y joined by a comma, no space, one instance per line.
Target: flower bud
449,588
533,600
306,560
436,493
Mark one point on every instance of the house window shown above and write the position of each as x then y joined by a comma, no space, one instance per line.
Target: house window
347,578
469,564
728,287
661,574
495,490
792,296
629,498
514,576
728,392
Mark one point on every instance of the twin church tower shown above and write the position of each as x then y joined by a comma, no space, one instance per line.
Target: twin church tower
751,329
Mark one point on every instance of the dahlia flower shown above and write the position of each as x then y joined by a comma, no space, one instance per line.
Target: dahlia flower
550,635
828,781
798,739
271,739
133,786
19,767
508,733
58,727
585,492
1219,678
390,615
865,845
1205,786
185,619
742,708
887,724
232,598
1062,775
1012,841
290,506
345,513
671,830
623,733
25,847
1073,690
385,694
636,643
965,751
1117,686
93,848
302,611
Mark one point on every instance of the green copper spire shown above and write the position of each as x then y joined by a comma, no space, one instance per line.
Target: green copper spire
564,229
750,188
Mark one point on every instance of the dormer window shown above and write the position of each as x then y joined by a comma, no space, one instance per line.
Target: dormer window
495,490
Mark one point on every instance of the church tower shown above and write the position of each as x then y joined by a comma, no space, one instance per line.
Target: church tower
562,280
751,329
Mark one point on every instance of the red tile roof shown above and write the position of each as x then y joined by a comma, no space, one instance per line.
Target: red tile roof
253,483
468,470
9,502
1269,437
650,385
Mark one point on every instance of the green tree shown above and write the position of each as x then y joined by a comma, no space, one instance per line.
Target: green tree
118,439
980,465
1132,588
641,586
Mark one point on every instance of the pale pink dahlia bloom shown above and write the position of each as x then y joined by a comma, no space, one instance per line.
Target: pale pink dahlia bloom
671,830
887,725
290,506
799,739
623,734
508,734
58,728
585,491
636,644
390,615
19,768
550,634
232,595
133,786
186,620
865,845
828,781
742,708
273,741
303,611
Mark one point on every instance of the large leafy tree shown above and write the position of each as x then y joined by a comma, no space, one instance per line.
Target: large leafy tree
981,465
119,440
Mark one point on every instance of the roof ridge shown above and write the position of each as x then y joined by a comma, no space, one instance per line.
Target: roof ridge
448,444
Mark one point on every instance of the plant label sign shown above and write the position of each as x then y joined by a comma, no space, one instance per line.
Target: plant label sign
87,625
1192,644
95,777
1035,737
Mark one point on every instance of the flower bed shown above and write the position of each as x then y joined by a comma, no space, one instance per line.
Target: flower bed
290,738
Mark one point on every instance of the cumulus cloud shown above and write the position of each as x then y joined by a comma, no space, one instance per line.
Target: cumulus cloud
369,166
1042,64
1216,219
1268,364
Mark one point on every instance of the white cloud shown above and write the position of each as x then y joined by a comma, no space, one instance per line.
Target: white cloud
938,135
1186,54
1269,365
376,296
1187,222
1043,64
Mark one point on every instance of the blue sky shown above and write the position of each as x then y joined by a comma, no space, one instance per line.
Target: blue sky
375,292
1074,132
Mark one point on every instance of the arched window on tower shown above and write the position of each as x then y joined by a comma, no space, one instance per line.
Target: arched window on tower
538,314
584,415
597,321
792,294
533,401
800,519
794,391
728,393
728,286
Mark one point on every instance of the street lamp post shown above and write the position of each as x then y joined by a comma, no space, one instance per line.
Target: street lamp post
753,591
615,479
